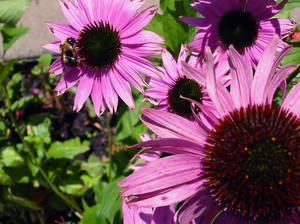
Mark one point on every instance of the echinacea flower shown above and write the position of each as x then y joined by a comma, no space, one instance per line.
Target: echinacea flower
136,215
243,170
169,91
106,51
245,24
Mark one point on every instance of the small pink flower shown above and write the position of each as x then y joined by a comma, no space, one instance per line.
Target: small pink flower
245,24
103,50
177,83
244,168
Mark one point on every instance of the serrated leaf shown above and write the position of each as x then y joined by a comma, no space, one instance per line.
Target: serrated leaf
67,150
11,158
11,11
11,33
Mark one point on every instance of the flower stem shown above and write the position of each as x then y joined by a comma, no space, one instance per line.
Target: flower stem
69,201
107,118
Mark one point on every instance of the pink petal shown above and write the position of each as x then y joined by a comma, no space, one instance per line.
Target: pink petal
199,206
180,146
241,79
170,64
109,94
278,79
68,80
217,93
195,21
56,67
138,22
263,73
164,215
168,125
197,75
53,46
142,37
84,89
292,101
97,96
122,88
140,64
72,14
62,31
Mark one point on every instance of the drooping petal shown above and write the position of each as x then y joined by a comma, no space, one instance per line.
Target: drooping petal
199,206
84,90
97,96
53,46
263,73
168,125
68,80
56,67
292,102
241,78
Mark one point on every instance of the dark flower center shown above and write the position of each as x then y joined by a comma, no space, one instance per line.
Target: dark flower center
252,164
99,45
184,87
238,28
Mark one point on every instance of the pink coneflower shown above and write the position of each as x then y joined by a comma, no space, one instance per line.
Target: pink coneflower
245,24
244,170
169,90
136,215
103,50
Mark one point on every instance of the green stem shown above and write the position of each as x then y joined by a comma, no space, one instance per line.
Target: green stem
107,118
69,201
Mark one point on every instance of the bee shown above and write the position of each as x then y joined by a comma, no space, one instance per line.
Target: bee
67,51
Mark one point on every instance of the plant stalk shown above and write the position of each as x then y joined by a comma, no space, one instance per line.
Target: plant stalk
109,134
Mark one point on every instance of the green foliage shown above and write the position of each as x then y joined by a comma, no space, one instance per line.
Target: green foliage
11,11
11,33
129,125
291,4
108,204
168,25
67,149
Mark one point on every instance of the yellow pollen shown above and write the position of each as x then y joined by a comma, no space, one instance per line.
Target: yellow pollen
273,139
280,182
289,170
246,149
246,177
271,188
290,153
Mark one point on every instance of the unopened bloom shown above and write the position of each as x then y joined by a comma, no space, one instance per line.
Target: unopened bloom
103,50
245,24
244,169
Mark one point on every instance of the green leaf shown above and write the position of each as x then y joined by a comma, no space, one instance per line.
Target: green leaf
94,166
291,4
93,215
108,198
129,124
13,84
11,33
293,57
4,178
45,59
68,149
11,158
11,11
23,102
74,189
6,70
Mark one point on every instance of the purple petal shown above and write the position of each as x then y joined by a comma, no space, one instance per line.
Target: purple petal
84,89
97,96
68,80
168,125
62,31
292,101
56,67
53,46
109,94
